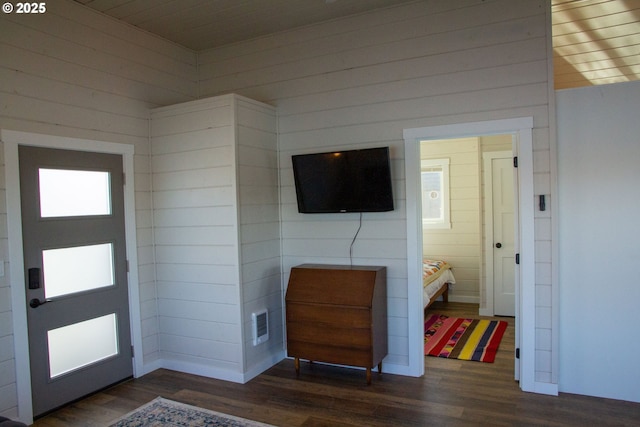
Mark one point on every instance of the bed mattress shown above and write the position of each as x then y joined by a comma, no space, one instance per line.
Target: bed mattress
435,274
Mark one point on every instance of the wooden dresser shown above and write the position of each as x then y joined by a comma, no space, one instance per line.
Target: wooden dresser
337,314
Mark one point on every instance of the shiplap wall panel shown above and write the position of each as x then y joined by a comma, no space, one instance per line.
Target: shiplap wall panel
258,187
192,140
361,46
194,216
44,88
217,353
503,98
203,255
201,292
74,73
191,197
191,121
212,272
114,45
89,57
47,55
206,163
198,329
199,159
358,82
142,40
409,71
459,245
185,179
80,79
215,170
180,236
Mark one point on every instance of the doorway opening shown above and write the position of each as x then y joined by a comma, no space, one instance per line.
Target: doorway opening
476,199
469,220
521,130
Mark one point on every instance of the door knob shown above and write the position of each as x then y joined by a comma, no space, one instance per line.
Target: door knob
498,245
35,303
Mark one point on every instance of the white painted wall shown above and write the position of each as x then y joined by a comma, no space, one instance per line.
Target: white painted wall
349,83
358,82
259,237
460,244
598,175
74,73
217,233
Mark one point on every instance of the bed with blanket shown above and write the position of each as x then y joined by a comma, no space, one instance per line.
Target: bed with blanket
436,279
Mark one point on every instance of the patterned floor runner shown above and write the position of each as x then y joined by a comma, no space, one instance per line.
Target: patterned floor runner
465,339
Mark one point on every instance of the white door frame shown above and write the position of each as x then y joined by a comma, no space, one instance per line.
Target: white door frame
11,140
488,309
525,302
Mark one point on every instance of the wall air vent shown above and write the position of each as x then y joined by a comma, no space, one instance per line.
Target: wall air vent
260,326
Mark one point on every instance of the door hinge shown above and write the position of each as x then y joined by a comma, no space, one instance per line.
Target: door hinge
127,263
517,258
515,162
132,352
517,353
124,179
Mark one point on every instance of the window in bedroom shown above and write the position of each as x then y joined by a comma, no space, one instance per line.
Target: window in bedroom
435,193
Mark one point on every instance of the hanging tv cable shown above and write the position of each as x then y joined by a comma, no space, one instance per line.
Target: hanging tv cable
353,241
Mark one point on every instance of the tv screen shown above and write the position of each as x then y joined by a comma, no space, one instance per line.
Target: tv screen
343,181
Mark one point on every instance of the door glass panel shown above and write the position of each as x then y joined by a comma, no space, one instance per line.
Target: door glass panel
73,193
77,269
81,344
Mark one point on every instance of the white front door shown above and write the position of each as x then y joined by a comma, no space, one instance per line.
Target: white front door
76,273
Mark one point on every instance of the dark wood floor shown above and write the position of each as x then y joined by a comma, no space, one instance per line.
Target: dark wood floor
452,393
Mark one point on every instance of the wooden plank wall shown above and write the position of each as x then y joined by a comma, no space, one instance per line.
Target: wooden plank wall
259,221
358,82
460,244
195,228
72,72
217,234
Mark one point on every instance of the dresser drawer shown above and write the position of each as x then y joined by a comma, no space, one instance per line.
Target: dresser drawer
330,354
319,333
330,315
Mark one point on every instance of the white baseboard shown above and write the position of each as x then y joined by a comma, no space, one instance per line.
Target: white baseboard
263,366
545,388
149,367
203,370
485,312
213,372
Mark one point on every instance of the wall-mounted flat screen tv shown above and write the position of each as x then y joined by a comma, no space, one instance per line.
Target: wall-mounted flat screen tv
343,181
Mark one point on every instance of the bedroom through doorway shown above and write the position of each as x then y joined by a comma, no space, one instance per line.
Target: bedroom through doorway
468,230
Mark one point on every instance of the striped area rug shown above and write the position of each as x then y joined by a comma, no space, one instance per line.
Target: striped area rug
465,339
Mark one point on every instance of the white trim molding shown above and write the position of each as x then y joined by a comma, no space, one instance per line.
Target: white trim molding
521,128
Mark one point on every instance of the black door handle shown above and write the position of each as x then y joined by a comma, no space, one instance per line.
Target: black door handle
498,245
35,303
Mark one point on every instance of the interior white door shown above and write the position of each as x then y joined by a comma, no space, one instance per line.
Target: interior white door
503,237
76,275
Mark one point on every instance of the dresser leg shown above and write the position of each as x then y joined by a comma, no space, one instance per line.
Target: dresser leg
380,368
296,363
368,376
